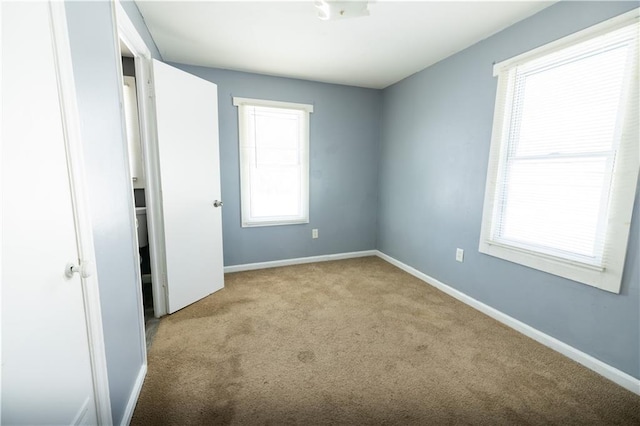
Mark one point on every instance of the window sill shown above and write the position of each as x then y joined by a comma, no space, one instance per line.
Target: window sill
274,223
607,279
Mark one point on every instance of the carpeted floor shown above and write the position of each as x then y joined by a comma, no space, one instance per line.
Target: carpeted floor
359,342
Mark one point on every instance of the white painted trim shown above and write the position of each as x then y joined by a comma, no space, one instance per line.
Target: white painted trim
133,397
298,261
133,231
619,377
271,104
84,229
127,32
1,239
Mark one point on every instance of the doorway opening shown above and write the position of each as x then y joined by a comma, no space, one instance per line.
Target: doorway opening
138,180
134,62
171,104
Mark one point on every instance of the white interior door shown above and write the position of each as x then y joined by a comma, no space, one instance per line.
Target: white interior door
46,361
187,120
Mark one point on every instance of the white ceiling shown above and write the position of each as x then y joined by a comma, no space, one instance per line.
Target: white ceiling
285,38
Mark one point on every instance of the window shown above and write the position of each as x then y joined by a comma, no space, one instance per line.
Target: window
274,161
565,154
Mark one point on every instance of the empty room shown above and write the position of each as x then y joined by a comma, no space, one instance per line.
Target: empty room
320,212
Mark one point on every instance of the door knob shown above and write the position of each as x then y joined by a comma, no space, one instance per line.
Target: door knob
217,203
85,270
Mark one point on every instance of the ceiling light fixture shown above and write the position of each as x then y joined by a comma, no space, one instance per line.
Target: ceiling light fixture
329,10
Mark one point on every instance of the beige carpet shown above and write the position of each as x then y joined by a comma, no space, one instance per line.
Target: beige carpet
359,342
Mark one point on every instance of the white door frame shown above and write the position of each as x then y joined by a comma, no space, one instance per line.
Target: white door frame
84,230
127,33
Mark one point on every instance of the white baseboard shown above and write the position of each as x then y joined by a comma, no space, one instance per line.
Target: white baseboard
298,261
133,398
621,378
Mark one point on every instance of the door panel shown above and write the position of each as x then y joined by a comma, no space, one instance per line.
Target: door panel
187,121
46,365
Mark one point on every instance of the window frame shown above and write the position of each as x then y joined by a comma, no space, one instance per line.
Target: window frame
624,177
247,221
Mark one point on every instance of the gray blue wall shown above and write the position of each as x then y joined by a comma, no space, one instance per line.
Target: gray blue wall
436,131
344,142
95,58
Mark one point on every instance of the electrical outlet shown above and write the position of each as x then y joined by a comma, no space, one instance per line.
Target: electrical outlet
314,233
459,255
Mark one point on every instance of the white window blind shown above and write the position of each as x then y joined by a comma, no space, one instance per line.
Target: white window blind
564,156
274,162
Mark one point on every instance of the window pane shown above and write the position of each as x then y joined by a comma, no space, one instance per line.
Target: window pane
276,130
571,108
275,191
277,157
275,136
555,204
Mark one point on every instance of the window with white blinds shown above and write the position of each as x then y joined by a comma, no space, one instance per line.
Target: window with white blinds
564,155
274,161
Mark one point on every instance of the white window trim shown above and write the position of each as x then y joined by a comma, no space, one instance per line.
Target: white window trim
625,174
246,220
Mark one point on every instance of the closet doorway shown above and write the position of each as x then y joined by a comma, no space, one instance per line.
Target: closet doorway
179,173
135,68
